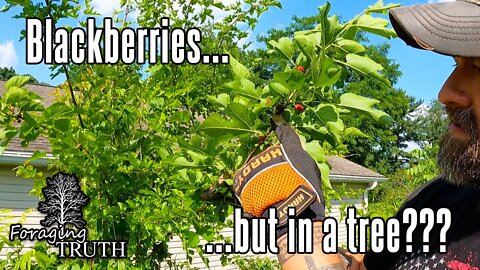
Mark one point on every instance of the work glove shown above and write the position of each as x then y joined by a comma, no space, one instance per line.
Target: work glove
282,176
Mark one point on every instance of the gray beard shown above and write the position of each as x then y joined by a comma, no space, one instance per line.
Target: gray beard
459,162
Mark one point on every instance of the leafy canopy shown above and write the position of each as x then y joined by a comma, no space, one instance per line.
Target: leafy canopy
145,143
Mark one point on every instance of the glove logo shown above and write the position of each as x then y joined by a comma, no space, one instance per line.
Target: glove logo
301,198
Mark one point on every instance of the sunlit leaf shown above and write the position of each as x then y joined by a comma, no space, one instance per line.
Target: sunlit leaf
364,105
284,46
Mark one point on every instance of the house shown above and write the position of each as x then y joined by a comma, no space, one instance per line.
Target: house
14,190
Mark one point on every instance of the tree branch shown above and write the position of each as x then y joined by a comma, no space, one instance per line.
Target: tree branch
65,69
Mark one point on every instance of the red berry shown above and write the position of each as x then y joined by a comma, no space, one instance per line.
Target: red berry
261,138
300,68
299,107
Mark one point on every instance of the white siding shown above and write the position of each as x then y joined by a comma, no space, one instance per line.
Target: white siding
14,196
335,212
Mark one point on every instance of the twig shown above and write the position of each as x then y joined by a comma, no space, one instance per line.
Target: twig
65,69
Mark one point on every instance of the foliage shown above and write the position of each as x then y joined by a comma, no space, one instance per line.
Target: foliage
383,148
245,263
423,165
145,143
431,124
386,199
389,196
259,60
7,73
326,53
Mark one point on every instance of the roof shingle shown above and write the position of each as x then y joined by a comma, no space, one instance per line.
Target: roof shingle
342,166
40,143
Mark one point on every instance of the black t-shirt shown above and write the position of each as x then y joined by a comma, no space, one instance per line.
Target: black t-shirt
463,236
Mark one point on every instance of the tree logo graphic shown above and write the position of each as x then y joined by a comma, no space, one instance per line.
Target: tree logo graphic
64,226
64,201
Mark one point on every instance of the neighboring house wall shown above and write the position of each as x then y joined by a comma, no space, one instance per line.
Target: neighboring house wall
14,195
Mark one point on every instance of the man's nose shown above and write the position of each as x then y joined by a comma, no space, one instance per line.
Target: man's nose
454,92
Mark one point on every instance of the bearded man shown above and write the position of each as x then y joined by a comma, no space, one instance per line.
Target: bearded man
449,28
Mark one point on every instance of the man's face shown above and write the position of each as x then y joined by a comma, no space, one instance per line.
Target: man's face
459,157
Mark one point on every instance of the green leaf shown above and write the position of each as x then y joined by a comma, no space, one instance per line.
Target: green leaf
375,25
229,181
325,175
58,110
379,7
29,128
306,43
42,259
284,83
193,240
279,89
195,147
217,126
317,132
329,73
364,105
37,155
329,117
325,24
240,113
245,88
183,162
239,70
62,124
316,151
121,265
180,116
5,9
353,132
350,46
7,134
284,46
16,81
197,157
222,99
366,66
14,95
75,267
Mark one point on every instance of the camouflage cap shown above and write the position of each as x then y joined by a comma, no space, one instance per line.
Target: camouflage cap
451,28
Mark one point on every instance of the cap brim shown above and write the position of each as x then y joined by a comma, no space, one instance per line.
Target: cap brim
451,28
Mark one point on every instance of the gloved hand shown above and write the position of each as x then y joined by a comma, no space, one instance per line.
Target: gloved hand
282,176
